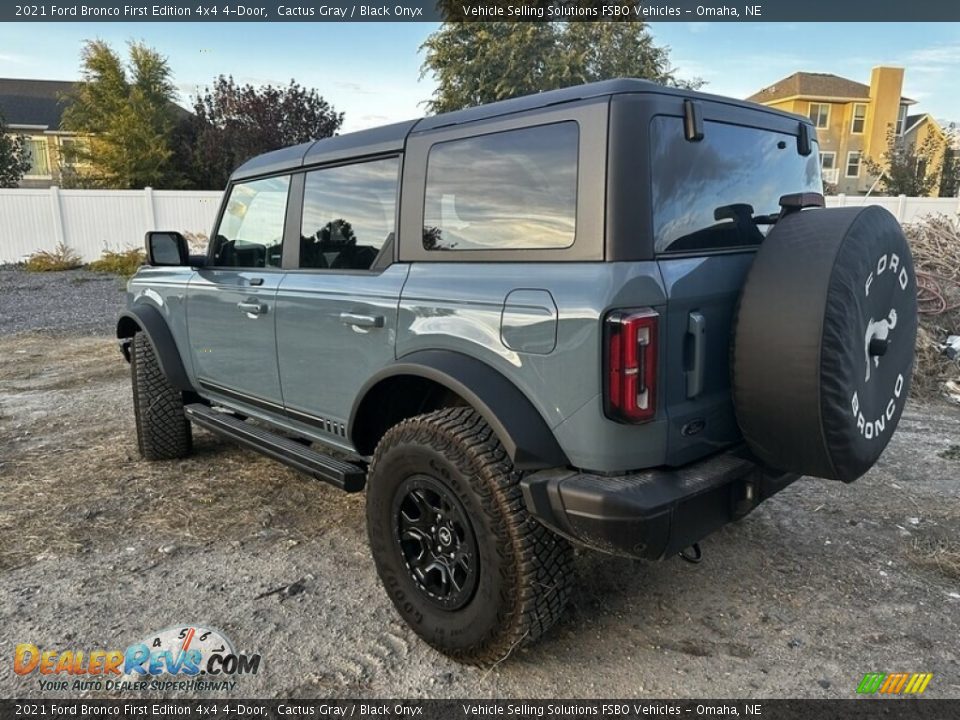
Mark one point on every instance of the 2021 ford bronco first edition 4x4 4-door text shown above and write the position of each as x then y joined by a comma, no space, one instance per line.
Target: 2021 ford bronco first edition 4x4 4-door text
614,314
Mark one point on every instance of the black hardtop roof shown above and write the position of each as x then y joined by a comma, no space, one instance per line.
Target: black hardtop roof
391,138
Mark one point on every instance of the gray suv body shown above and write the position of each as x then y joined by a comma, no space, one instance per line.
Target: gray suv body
554,277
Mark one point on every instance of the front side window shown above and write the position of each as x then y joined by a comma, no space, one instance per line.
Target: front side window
513,190
250,234
721,192
820,115
853,164
348,214
859,119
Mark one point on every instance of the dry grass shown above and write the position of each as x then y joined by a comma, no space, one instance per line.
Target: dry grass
71,482
60,258
941,554
124,263
935,244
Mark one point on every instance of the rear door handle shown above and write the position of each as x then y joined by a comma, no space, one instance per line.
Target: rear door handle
363,321
252,308
696,329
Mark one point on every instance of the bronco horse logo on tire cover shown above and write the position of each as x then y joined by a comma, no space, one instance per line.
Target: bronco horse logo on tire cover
877,330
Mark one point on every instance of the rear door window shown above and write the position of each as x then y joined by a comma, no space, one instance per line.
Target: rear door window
720,192
348,214
512,190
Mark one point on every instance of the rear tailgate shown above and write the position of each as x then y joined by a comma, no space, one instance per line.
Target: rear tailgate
713,202
702,295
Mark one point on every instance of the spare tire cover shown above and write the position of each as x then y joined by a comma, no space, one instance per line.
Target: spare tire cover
823,342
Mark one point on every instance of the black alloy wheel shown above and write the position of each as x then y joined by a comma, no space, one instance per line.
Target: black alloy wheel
437,541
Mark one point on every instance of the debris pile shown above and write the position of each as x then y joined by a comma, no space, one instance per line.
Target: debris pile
935,243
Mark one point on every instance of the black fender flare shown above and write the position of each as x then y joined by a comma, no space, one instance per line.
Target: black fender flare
524,433
147,319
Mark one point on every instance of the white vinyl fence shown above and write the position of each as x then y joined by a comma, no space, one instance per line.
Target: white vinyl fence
905,209
91,221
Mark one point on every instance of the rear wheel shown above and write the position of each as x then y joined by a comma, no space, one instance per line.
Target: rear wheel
463,562
163,432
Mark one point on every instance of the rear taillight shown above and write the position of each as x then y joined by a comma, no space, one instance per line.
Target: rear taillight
630,338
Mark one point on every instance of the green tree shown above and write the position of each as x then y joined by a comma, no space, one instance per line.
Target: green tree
14,158
127,114
481,62
232,123
908,168
950,179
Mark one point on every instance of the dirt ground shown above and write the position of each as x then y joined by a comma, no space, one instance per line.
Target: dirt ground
820,585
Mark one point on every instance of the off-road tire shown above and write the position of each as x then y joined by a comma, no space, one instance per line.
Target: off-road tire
163,432
524,574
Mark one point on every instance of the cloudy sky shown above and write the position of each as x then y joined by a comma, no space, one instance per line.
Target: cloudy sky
371,71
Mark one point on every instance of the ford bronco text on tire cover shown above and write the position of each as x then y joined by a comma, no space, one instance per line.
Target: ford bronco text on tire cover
615,315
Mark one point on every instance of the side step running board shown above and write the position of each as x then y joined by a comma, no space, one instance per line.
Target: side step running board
344,475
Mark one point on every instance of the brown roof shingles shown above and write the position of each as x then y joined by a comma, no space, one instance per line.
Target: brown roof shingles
814,85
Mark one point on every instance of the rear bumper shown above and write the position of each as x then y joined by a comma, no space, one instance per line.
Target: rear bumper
653,513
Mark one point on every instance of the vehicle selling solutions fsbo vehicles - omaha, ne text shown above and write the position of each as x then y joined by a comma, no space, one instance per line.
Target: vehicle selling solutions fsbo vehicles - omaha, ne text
614,315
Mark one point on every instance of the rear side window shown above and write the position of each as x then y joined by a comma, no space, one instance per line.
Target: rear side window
250,234
719,192
348,214
513,190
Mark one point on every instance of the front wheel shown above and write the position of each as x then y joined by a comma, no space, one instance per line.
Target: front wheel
463,562
163,431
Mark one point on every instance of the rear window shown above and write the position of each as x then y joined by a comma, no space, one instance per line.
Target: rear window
719,192
513,190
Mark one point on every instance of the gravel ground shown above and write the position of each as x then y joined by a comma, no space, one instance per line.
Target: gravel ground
76,301
98,548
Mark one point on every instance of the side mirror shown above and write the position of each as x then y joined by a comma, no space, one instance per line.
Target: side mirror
167,248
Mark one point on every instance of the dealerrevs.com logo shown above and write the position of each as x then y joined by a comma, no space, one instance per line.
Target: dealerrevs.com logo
187,658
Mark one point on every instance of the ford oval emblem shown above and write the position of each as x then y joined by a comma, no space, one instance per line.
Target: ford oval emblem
693,427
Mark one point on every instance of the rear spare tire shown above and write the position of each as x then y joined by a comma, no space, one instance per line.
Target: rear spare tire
823,343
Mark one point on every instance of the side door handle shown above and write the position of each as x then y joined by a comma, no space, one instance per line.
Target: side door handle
252,308
362,321
696,329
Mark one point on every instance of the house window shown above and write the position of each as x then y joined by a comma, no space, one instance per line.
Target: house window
39,159
901,120
70,149
828,167
859,118
853,164
820,115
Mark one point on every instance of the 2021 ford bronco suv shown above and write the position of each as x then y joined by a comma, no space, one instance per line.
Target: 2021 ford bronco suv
614,315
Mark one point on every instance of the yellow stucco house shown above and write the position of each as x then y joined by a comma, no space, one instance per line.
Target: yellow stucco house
852,120
33,109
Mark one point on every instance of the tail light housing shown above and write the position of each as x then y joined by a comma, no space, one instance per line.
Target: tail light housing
630,365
